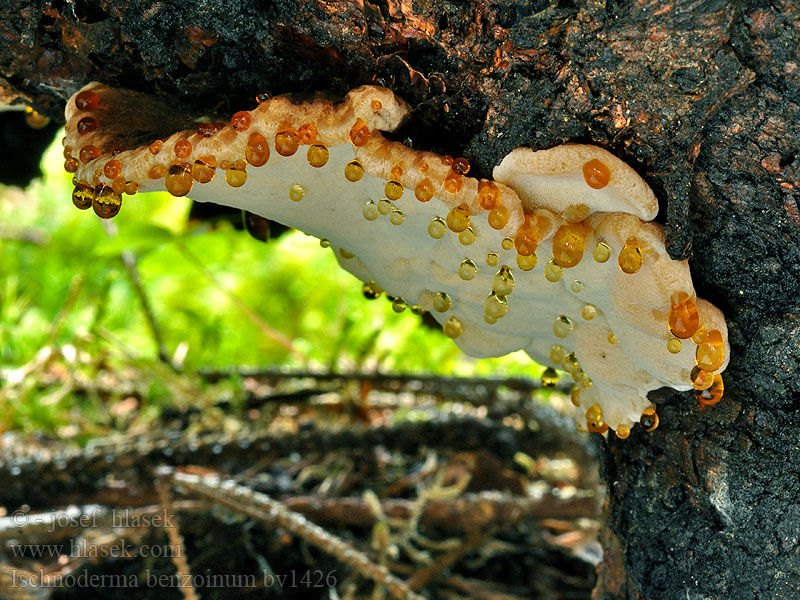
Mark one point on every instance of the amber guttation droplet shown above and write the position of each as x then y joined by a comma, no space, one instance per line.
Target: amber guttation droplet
630,257
674,345
353,171
467,270
257,150
437,228
206,129
236,176
507,243
106,202
452,328
155,147
263,96
396,173
87,100
156,171
701,380
307,134
461,166
393,189
286,142
359,133
118,185
317,155
442,302
649,421
596,174
498,217
376,105
240,121
453,182
562,326
488,194
602,252
503,281
422,167
549,377
568,244
575,212
87,125
82,196
183,148
112,169
131,187
67,151
594,414
492,258
710,351
88,153
683,317
204,169
600,428
296,192
623,431
713,394
458,218
178,179
527,263
71,165
447,160
525,242
371,290
424,190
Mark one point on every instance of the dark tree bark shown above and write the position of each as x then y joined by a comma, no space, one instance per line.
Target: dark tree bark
702,97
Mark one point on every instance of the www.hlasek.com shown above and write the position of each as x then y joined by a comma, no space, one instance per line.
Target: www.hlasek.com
316,578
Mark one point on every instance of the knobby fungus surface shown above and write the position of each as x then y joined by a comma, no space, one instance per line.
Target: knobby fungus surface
555,256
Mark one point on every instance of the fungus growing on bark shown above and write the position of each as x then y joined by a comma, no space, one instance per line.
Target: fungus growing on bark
555,256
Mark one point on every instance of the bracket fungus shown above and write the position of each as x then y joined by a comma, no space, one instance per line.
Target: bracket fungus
555,256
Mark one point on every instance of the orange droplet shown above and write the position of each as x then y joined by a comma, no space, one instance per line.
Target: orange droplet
393,190
458,218
710,351
453,182
106,202
422,167
713,394
87,100
461,166
257,150
424,190
67,151
178,179
447,160
701,380
568,244
112,169
156,172
359,133
204,169
88,153
206,129
118,185
596,174
396,172
525,242
307,134
183,148
131,187
87,125
286,142
376,105
70,165
82,196
488,194
498,217
630,257
317,155
155,147
240,121
235,177
683,318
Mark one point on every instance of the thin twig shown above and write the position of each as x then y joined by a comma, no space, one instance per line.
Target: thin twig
262,508
176,541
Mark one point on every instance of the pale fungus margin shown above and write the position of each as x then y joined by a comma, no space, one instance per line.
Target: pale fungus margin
555,256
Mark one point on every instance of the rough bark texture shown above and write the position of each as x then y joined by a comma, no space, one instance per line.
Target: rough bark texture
702,97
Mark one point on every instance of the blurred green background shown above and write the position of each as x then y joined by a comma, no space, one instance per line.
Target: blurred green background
70,314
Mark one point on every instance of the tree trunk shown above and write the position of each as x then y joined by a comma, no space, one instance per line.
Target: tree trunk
702,97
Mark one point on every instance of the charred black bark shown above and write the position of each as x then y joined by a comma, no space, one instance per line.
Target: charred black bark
702,97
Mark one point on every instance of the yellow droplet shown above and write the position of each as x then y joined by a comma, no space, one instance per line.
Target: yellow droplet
398,305
35,120
424,190
549,377
498,217
467,269
589,312
571,365
468,236
417,310
442,302
370,211
323,243
568,244
437,228
553,272
345,253
385,207
353,171
594,414
649,421
674,345
296,192
584,380
575,212
557,354
630,257
503,281
393,189
489,319
602,252
612,339
575,396
527,263
710,353
317,155
178,179
371,290
623,431
396,217
495,306
576,286
235,177
562,326
452,328
458,218
507,243
701,380
492,259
